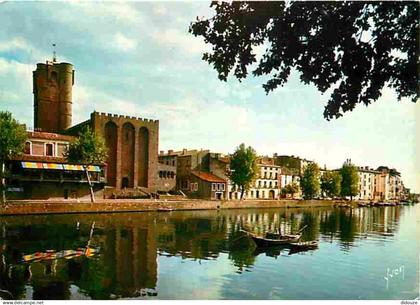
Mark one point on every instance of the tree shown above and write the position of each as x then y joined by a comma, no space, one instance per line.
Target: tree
291,188
353,48
331,183
12,140
309,182
87,149
350,180
243,167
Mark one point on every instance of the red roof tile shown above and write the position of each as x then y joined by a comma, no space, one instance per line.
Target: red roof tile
24,157
49,136
208,177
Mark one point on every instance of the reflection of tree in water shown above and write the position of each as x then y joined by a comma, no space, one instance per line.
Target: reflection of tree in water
310,219
329,223
12,280
241,252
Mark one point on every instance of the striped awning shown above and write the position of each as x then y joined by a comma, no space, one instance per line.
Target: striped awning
59,166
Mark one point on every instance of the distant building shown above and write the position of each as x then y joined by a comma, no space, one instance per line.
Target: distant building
207,186
42,172
267,184
389,184
367,183
199,173
166,180
293,163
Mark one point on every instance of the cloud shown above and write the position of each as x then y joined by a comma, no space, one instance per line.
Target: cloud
183,41
123,43
16,43
160,10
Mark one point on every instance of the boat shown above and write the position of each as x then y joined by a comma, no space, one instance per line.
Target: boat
165,210
272,239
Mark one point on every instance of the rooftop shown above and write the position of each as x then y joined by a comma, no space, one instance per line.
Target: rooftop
209,177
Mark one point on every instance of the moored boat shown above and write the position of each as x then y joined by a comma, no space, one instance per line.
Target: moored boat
280,240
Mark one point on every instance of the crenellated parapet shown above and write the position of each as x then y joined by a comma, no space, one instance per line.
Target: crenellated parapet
120,117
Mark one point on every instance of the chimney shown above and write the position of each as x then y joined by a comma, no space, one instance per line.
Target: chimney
162,152
170,151
184,151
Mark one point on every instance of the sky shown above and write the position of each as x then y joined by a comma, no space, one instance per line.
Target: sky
137,58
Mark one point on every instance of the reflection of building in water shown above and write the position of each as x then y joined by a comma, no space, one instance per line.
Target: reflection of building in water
135,260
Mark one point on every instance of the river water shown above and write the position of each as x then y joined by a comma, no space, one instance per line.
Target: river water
364,253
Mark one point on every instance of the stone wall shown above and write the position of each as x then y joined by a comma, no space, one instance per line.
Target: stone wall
129,205
133,149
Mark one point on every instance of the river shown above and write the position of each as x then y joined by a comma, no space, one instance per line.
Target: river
363,253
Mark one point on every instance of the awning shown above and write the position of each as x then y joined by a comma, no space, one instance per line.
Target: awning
59,166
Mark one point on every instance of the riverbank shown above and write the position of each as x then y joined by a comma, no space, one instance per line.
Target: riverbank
28,207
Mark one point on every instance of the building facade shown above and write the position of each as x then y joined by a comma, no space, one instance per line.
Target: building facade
132,142
42,171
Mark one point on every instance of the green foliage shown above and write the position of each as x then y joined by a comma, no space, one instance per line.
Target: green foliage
243,167
12,141
331,183
352,48
88,148
309,183
291,188
12,136
350,180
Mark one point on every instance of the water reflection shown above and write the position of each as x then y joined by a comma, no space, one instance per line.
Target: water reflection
130,245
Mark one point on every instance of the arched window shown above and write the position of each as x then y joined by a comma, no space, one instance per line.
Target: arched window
49,149
28,148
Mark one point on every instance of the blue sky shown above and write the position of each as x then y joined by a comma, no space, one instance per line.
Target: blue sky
139,59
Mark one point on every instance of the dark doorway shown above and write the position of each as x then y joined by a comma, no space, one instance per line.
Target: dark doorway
124,182
218,196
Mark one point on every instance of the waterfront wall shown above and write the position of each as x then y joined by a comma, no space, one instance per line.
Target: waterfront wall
23,207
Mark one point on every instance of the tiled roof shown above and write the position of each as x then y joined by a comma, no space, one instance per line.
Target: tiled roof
24,157
208,177
49,136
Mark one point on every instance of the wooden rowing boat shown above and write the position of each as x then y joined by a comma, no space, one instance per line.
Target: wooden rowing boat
280,240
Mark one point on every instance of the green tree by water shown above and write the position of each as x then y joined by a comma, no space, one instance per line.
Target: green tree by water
12,142
352,48
309,183
331,183
291,188
87,149
350,180
243,167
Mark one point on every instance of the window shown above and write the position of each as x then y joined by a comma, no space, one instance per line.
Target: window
173,162
213,186
265,183
49,149
271,185
28,148
223,186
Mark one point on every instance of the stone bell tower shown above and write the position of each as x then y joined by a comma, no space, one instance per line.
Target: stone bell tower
52,88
